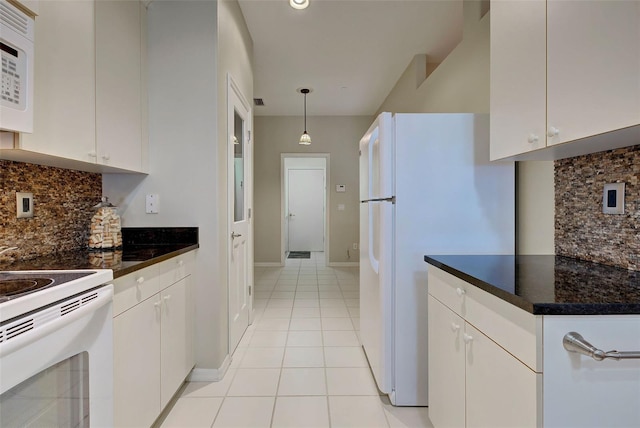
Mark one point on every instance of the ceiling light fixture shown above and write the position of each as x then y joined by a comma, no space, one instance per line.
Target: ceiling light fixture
299,4
305,138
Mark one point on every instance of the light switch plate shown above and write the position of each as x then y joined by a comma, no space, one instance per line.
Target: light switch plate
24,204
341,188
613,198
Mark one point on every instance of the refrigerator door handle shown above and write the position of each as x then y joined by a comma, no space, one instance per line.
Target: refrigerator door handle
391,199
371,144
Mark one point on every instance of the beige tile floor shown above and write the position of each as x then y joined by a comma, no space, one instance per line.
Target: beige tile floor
300,364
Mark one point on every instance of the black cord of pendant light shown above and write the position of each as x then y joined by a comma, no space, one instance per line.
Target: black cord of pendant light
305,92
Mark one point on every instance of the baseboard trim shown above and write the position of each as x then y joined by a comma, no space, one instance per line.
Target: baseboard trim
343,264
210,375
269,264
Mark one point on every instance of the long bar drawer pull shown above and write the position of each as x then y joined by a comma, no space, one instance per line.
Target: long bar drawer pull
574,342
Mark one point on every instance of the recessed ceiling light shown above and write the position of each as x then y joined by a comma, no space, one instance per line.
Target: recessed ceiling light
299,4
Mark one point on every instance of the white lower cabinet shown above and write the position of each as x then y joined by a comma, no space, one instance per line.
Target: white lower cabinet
136,367
176,344
473,380
446,366
486,359
153,339
500,390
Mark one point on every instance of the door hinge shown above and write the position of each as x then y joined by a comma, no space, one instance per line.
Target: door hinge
249,136
249,290
249,214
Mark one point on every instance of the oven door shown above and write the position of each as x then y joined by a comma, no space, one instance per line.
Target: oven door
57,364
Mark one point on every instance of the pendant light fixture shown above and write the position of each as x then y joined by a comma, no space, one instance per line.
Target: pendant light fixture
305,138
299,4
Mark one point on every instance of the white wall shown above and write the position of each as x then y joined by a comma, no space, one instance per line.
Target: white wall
192,46
461,84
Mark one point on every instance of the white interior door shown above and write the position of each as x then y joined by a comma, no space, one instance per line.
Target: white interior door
239,182
306,209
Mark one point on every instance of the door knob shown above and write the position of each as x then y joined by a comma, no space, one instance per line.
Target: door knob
235,235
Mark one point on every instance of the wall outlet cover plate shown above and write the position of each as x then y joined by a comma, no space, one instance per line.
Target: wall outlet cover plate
613,198
24,204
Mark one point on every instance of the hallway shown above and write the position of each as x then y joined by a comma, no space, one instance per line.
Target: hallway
300,364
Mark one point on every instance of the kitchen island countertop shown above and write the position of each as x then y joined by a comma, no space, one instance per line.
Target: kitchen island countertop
548,285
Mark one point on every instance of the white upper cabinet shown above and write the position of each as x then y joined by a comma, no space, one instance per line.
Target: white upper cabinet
119,99
90,88
564,72
64,99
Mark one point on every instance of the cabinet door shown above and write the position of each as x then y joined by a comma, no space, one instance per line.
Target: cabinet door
136,350
64,101
118,84
518,77
500,390
593,67
177,345
446,366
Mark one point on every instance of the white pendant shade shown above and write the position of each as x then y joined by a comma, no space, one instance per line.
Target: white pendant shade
299,4
305,139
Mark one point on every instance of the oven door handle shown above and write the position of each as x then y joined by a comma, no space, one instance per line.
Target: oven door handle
13,344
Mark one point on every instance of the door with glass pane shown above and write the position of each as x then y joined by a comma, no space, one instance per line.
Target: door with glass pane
239,183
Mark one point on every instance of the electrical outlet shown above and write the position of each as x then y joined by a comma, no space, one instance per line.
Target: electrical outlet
153,204
355,245
24,205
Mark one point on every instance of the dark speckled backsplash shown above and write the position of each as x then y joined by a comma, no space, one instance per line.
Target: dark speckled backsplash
581,229
62,201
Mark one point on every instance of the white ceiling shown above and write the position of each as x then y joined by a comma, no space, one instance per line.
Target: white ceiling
349,52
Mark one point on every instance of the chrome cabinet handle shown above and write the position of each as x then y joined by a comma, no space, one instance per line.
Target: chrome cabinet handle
574,342
235,235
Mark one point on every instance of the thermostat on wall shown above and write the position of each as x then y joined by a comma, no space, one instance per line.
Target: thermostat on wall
341,188
613,198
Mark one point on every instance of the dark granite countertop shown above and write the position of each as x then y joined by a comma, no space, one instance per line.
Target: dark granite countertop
548,285
142,247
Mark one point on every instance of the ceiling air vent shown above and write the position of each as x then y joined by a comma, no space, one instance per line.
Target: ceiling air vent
259,102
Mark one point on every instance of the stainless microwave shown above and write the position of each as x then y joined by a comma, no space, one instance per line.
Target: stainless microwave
16,49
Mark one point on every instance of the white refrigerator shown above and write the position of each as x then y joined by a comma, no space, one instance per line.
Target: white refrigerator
426,187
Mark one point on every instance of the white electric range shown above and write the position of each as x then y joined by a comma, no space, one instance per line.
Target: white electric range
56,348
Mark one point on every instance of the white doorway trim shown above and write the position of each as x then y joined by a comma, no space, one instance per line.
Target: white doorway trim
283,199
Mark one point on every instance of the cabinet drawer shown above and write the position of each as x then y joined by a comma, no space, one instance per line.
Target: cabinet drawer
134,288
448,289
177,268
514,329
